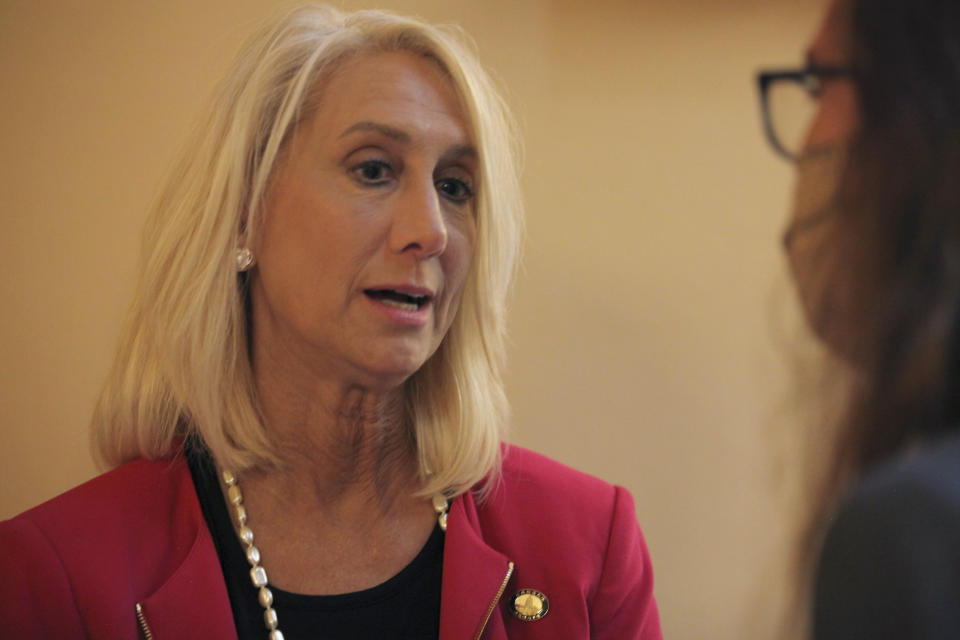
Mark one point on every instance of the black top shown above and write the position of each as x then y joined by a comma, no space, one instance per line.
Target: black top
890,566
405,607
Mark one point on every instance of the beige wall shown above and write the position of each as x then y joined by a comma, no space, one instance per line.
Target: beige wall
644,346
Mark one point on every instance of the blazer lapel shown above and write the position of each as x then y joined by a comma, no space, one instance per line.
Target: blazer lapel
193,602
475,578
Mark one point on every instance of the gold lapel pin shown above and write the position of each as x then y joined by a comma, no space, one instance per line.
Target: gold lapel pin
529,605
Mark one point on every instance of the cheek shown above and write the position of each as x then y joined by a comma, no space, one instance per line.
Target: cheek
837,119
826,292
459,256
809,255
296,261
284,256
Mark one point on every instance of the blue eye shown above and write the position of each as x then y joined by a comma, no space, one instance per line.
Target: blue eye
455,190
373,172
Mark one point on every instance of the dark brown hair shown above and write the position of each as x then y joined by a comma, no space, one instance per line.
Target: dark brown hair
900,238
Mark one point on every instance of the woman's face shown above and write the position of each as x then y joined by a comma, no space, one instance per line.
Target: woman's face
812,230
836,118
368,231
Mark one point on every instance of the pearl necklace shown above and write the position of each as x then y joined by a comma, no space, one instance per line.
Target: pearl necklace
258,575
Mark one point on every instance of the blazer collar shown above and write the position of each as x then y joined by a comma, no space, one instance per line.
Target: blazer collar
193,602
475,578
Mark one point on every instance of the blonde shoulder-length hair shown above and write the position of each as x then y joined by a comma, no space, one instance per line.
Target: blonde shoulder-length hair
182,366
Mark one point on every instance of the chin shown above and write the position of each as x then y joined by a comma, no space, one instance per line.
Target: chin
388,364
392,373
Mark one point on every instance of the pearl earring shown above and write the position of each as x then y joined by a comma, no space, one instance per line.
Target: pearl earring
243,258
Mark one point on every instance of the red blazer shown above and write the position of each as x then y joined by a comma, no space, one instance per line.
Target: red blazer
79,565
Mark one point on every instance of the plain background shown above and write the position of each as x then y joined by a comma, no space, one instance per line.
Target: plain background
652,324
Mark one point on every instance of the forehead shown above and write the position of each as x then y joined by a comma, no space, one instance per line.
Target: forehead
831,43
395,88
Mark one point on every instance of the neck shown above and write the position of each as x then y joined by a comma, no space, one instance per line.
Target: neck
338,432
336,441
339,514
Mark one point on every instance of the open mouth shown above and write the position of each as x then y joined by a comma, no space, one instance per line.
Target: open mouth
397,299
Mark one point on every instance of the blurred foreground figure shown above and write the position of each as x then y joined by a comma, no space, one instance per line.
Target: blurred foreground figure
872,122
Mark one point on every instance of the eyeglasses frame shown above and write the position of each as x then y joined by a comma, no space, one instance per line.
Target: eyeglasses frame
801,76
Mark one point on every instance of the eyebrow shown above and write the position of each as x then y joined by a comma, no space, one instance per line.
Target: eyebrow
813,60
457,151
385,129
462,151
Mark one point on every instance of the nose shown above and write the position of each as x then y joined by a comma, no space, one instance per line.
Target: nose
418,225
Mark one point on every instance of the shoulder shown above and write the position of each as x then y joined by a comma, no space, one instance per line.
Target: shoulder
527,474
891,558
917,493
549,495
137,489
112,530
579,535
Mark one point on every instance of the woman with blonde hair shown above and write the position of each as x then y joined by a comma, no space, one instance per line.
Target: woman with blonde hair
306,410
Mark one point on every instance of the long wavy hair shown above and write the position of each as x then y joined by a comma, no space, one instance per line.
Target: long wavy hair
898,241
183,368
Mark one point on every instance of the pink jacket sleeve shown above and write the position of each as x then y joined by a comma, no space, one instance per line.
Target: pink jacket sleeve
623,607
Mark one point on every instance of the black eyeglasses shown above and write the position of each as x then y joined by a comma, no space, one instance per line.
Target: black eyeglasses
788,103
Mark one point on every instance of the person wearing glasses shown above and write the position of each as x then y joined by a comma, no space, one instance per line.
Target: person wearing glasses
872,124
